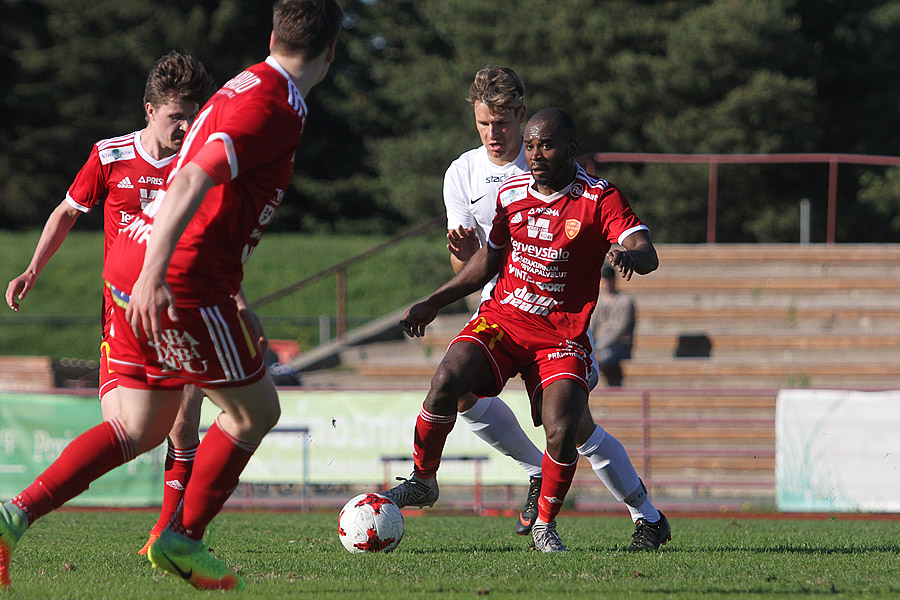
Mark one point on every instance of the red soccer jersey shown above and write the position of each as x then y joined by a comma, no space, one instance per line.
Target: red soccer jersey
258,116
554,247
123,174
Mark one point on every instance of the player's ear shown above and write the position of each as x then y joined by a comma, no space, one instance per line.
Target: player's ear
271,42
521,115
149,109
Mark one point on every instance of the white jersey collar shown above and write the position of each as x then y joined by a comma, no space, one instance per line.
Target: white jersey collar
139,148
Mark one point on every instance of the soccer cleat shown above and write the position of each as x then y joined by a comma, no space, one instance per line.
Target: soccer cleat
413,492
650,536
525,521
153,537
9,537
546,538
193,562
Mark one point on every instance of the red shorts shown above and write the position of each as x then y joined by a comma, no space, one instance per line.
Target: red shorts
540,360
209,347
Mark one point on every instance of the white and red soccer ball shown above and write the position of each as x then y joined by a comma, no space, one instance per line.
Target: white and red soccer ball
370,523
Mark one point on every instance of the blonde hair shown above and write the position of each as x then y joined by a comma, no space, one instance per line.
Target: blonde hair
500,88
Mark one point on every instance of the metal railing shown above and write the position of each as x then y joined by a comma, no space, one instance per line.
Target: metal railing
714,160
340,270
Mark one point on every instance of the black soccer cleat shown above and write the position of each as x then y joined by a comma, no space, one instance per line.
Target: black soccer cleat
650,536
525,520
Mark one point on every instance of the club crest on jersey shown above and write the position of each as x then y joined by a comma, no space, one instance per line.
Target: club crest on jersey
113,154
573,226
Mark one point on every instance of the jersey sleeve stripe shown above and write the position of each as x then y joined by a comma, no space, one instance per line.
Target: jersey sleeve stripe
76,206
628,232
229,150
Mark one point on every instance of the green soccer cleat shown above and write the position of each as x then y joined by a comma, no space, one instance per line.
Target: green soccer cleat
193,562
10,532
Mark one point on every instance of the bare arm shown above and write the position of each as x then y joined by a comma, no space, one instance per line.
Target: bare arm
480,269
151,294
55,231
638,257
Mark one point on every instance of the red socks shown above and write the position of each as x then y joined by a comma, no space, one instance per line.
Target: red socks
179,464
557,479
220,461
95,452
428,444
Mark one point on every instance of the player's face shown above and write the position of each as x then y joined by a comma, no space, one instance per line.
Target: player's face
170,121
499,132
550,158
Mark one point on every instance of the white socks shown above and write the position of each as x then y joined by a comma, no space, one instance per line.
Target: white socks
610,462
493,421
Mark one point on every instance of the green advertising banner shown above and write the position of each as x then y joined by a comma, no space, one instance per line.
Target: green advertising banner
34,429
348,434
323,437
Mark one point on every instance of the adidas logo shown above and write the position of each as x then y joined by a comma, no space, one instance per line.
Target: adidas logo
175,485
552,499
517,218
125,184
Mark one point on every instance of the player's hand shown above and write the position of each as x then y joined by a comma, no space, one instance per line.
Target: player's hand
417,318
254,326
150,296
18,288
622,261
464,243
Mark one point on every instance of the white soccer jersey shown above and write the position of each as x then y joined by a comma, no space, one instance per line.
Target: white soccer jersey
471,184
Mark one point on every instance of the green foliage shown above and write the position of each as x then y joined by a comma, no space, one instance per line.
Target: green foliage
93,555
722,76
70,287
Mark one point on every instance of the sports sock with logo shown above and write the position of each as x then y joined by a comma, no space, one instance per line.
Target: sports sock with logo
218,465
428,443
555,485
95,452
179,464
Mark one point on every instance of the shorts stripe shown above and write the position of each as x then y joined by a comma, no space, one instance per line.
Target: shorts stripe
223,343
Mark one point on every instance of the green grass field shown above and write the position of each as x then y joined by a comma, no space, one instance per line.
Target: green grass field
92,555
70,286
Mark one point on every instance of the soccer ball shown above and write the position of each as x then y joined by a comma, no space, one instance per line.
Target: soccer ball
370,523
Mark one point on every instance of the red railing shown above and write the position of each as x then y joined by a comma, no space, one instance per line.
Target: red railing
714,160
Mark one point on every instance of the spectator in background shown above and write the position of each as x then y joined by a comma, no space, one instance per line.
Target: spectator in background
613,324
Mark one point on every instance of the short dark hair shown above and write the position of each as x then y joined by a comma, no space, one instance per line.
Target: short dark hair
305,27
555,118
500,88
180,76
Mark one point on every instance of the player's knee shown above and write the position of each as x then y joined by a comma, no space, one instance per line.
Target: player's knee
445,392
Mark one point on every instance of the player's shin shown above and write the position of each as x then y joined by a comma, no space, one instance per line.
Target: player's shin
493,421
555,485
220,460
611,464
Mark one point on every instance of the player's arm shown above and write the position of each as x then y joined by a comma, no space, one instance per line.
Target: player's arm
462,238
463,243
251,320
151,294
55,231
639,255
480,269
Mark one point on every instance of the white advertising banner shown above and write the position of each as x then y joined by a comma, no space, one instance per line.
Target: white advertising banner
348,433
837,450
